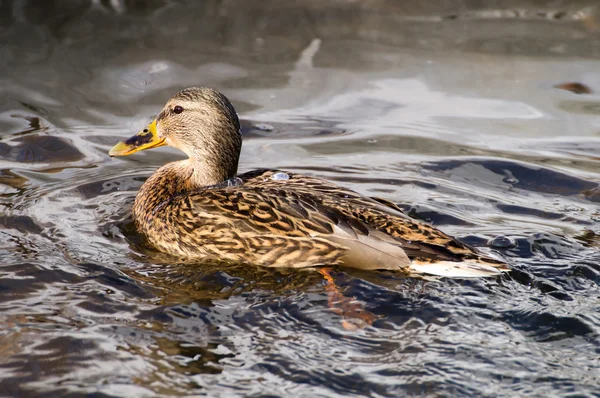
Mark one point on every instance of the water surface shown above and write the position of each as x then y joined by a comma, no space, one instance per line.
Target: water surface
450,110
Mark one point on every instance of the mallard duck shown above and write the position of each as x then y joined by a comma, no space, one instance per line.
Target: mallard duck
200,209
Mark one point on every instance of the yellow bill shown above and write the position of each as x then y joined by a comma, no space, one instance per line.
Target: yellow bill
145,139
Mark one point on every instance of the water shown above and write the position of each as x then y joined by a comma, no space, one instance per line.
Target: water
449,110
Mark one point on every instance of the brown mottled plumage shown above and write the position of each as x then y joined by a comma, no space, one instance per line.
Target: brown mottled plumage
198,209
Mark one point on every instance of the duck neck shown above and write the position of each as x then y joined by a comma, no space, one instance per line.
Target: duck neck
177,178
206,171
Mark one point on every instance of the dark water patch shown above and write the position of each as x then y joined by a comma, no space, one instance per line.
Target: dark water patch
557,280
54,357
24,224
563,280
522,210
587,269
556,247
546,327
40,149
350,383
58,355
412,309
521,176
23,280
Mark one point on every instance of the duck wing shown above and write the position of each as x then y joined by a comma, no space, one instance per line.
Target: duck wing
303,221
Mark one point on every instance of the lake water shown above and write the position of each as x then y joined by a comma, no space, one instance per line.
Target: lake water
450,109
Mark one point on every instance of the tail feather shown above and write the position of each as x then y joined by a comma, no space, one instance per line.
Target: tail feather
458,269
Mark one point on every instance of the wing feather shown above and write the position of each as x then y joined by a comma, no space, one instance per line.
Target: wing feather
303,221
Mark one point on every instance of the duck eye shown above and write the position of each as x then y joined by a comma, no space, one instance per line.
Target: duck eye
178,109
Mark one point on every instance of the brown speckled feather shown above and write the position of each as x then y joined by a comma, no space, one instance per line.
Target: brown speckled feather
298,222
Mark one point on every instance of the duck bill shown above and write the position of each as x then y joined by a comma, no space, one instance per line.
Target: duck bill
145,139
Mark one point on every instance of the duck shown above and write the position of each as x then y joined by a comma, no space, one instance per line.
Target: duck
200,209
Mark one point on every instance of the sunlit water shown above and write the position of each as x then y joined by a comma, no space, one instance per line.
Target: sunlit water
449,111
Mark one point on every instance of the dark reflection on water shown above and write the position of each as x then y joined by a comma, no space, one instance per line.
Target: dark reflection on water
457,112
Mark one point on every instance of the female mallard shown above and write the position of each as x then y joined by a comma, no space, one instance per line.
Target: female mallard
198,209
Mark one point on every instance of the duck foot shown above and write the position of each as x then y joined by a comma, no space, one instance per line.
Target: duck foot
354,315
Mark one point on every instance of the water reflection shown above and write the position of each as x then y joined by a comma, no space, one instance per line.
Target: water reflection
454,111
